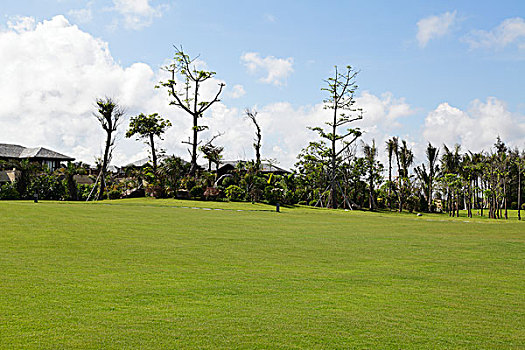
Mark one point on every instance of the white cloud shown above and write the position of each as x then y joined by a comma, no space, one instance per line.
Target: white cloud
21,24
84,15
477,128
237,91
434,27
138,13
510,31
276,69
286,127
55,71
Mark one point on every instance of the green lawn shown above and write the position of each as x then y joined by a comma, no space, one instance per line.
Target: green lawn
151,274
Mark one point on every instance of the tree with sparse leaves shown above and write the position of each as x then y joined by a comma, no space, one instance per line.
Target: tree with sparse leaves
212,152
146,127
340,88
109,116
186,95
252,115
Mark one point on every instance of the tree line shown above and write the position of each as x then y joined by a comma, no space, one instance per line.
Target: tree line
336,170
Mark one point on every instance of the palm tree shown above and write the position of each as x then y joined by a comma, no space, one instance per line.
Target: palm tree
395,146
391,146
477,171
405,159
450,162
372,166
432,158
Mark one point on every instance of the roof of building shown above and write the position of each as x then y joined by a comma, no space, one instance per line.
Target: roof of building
265,166
138,163
142,162
21,152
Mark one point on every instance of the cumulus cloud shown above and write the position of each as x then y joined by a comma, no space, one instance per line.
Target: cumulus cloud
287,126
477,128
53,72
510,31
21,24
237,91
276,70
138,13
434,27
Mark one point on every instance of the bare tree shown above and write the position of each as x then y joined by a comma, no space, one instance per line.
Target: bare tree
252,115
109,114
340,100
187,95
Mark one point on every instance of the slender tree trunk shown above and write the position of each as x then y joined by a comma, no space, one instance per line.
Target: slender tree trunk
505,198
457,204
104,165
519,190
193,168
482,197
400,181
430,191
153,154
333,193
258,156
390,181
370,195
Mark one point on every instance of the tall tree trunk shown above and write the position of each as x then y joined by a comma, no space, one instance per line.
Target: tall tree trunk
457,203
390,183
153,154
193,168
104,166
370,195
519,191
400,181
333,189
430,192
505,198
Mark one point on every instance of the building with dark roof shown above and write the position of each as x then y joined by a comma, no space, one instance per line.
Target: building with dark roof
227,166
42,155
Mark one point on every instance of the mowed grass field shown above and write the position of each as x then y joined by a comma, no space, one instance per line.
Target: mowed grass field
151,274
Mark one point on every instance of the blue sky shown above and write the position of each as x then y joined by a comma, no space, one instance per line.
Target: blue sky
441,62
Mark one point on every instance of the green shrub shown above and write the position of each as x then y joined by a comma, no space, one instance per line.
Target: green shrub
114,194
313,202
197,191
8,191
228,181
302,203
47,186
234,193
83,191
274,194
